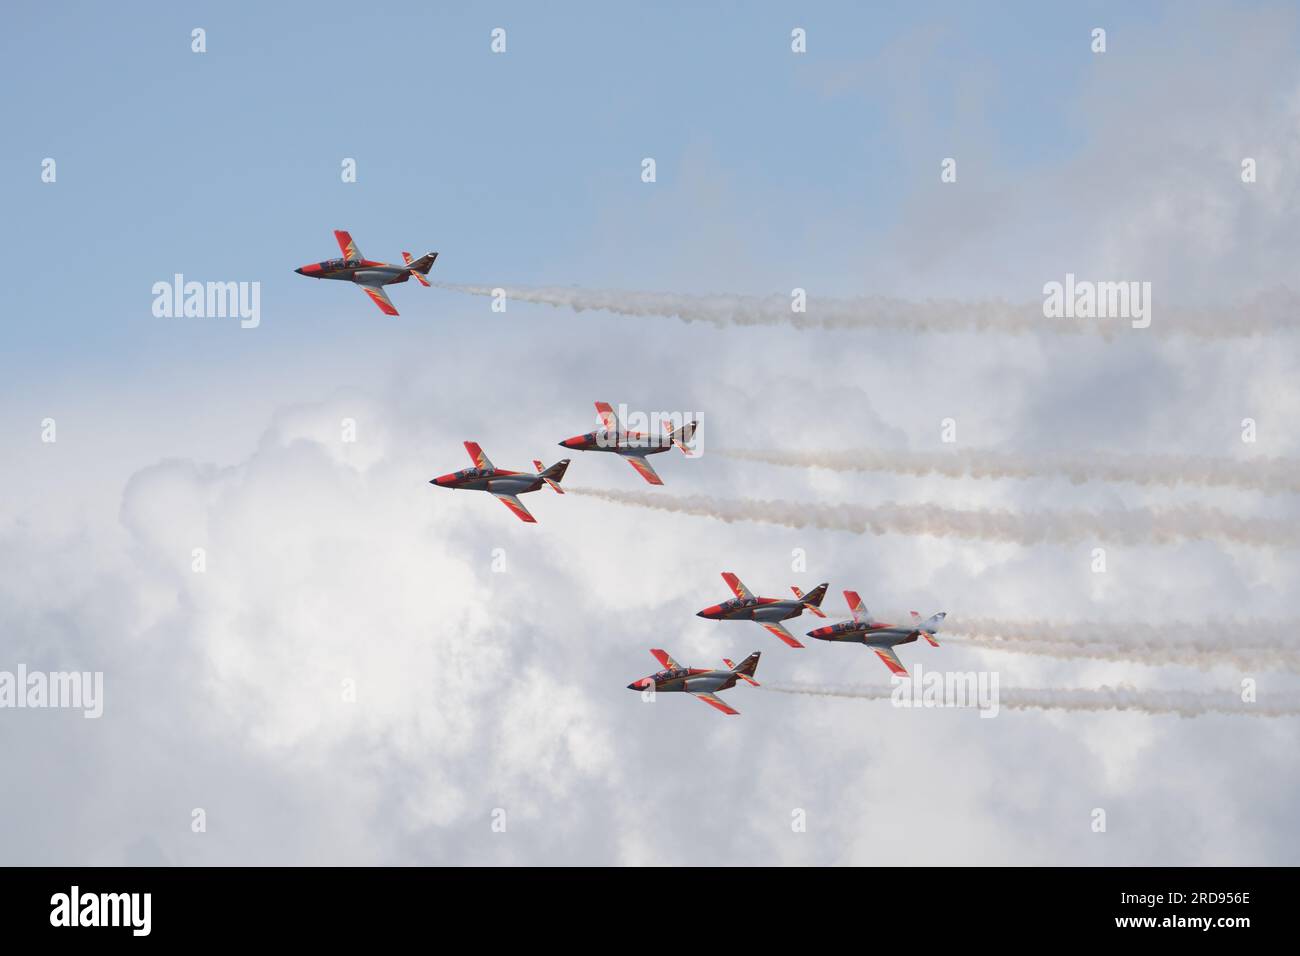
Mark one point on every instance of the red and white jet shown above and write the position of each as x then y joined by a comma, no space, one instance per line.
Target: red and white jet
634,446
372,276
877,635
769,612
502,484
701,682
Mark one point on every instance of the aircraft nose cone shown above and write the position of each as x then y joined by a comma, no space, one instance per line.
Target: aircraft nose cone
298,270
632,686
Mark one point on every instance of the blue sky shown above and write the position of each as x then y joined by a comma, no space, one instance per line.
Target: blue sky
225,165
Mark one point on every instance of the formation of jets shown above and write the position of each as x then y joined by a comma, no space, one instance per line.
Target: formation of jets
635,447
371,275
769,612
507,485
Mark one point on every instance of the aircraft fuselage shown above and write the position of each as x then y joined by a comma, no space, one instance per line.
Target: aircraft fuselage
360,271
878,635
622,443
692,680
498,481
753,609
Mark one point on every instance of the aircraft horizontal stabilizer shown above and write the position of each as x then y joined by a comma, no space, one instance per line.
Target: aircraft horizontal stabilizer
681,437
555,485
745,671
419,267
927,627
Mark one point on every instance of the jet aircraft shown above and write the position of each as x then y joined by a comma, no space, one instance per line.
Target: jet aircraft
372,276
877,635
504,485
769,612
633,446
702,682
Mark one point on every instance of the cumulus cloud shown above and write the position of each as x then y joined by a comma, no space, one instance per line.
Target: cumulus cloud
332,567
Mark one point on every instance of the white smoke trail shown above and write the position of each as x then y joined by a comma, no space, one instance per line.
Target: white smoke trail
1273,313
1228,654
1269,475
1253,634
1184,703
1125,526
1249,644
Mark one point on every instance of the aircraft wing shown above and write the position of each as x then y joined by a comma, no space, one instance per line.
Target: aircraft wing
350,250
476,455
380,298
715,701
608,420
665,659
776,628
737,588
643,466
859,609
515,505
890,659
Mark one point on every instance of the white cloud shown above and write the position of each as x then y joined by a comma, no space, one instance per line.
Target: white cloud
330,561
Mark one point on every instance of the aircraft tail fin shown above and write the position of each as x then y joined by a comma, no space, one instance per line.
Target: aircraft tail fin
682,437
420,267
746,668
857,608
927,627
813,599
553,475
